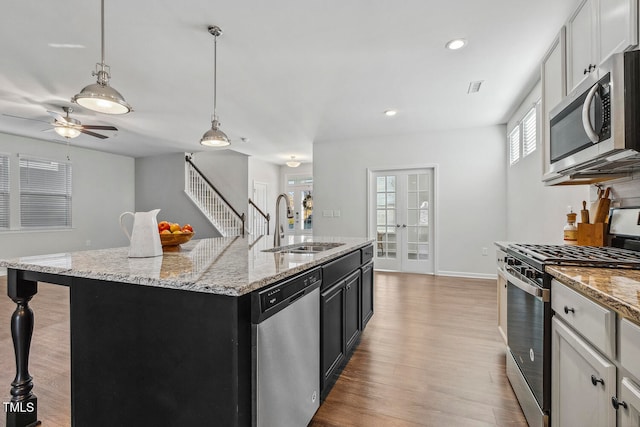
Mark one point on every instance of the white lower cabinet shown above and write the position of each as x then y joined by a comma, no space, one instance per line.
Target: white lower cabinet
628,403
583,381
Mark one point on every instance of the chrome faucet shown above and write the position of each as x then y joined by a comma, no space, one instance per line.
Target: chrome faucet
279,230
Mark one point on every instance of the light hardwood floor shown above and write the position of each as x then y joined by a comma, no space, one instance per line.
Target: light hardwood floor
430,356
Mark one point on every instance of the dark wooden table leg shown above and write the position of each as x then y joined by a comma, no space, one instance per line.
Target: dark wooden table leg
22,409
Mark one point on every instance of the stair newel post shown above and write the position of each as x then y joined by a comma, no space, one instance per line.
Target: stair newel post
22,409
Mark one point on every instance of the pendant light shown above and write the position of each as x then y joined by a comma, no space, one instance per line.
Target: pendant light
214,137
100,96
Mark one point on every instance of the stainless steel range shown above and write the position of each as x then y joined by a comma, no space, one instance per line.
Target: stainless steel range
529,308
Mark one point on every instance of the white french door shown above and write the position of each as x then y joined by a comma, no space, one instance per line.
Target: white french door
401,219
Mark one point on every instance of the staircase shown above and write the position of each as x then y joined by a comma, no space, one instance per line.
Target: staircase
213,205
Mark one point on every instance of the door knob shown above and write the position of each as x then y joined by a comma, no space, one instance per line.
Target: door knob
404,225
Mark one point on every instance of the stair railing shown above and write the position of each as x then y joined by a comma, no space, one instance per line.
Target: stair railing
211,202
258,220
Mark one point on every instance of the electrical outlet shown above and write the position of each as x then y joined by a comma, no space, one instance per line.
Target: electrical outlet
336,213
485,251
327,213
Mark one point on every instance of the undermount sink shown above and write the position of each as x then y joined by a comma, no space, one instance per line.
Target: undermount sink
305,248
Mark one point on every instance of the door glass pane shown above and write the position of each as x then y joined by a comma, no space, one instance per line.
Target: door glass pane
391,200
423,198
423,252
412,251
381,200
412,200
391,183
380,181
423,234
382,217
391,217
412,234
423,181
412,217
412,182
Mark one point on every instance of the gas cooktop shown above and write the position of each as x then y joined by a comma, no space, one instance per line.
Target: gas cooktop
579,255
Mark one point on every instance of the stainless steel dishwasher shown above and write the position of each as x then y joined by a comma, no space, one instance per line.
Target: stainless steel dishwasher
286,352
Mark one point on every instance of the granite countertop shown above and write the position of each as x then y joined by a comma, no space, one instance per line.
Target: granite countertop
616,288
231,266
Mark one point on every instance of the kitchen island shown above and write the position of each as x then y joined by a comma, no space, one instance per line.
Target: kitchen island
157,341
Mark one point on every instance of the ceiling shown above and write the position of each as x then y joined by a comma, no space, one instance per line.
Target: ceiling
290,72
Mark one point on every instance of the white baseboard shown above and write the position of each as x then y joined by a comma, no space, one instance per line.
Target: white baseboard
467,275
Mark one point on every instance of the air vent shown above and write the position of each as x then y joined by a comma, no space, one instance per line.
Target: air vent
475,86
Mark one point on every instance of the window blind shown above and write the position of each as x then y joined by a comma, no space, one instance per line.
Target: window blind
4,191
514,145
45,193
529,133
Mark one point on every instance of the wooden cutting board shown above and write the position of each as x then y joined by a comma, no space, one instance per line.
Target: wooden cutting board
602,209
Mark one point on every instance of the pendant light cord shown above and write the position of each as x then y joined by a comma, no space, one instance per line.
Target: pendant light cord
215,73
102,28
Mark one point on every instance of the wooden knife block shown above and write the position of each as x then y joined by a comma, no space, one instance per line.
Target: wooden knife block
591,234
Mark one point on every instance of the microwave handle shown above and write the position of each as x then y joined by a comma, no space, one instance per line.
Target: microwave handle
586,108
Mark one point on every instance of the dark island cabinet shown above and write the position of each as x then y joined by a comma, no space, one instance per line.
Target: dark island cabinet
346,301
352,317
366,281
332,338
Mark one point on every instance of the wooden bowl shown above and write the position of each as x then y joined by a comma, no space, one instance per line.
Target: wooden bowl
175,239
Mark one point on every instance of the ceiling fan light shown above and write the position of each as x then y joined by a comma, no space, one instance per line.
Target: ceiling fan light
293,163
67,132
102,98
214,137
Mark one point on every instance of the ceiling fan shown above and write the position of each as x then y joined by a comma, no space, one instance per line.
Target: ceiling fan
69,127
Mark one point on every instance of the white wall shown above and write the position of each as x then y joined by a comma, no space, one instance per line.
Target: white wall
103,188
537,213
470,192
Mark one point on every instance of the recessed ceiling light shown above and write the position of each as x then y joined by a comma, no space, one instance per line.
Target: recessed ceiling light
390,113
66,46
456,44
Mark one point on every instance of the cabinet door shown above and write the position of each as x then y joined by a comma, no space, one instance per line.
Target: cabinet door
502,306
618,26
352,309
580,39
332,339
582,381
367,294
630,395
554,88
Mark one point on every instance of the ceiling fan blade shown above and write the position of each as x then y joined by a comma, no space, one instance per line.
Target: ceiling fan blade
99,127
25,118
57,116
97,135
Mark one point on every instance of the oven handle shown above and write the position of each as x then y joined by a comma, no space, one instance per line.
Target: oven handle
538,292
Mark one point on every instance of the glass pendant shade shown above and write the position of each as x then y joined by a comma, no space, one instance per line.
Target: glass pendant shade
214,137
67,132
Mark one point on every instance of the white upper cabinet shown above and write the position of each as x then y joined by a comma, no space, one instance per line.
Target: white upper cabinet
596,30
552,75
581,44
618,23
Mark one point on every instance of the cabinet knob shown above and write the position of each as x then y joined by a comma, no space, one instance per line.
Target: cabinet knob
585,71
618,403
568,310
595,380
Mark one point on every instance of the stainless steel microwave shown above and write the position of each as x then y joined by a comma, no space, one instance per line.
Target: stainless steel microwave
596,129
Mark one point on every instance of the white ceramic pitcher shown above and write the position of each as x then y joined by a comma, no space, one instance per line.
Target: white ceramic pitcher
144,238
